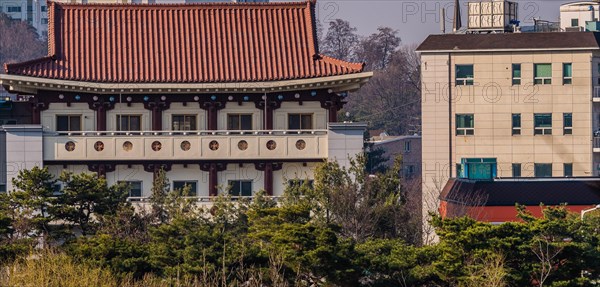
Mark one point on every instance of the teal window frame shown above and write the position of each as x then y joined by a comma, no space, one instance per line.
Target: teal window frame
543,170
542,124
465,124
567,123
542,74
568,169
516,124
567,73
464,75
516,74
516,170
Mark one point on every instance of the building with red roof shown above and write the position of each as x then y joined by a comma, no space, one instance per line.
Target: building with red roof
222,96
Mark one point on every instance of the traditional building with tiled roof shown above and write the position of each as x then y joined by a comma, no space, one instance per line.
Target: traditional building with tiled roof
223,96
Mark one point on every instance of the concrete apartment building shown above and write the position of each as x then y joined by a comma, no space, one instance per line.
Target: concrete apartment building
241,102
520,107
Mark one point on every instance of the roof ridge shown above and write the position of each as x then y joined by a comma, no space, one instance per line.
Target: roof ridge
10,66
187,5
358,66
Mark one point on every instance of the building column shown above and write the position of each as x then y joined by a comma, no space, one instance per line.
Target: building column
37,108
157,108
271,106
101,108
101,169
212,108
268,168
333,105
213,170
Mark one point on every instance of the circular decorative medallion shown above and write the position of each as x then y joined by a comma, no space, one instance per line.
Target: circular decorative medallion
185,145
243,145
213,145
99,146
300,144
70,146
127,146
156,146
271,145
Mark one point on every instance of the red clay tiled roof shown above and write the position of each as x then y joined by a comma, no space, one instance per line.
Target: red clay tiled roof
183,43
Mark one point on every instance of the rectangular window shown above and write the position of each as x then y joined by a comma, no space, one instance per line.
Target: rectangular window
464,75
240,187
458,170
129,123
239,122
516,170
409,170
68,123
44,8
567,73
56,189
574,22
543,170
542,124
13,9
2,187
542,74
516,124
598,74
568,169
300,121
135,189
465,125
407,146
184,123
567,124
181,184
516,74
44,21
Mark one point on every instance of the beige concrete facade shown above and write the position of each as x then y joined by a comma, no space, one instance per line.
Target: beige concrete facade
492,99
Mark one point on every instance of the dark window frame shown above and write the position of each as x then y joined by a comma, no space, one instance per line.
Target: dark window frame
242,182
516,124
192,183
69,118
516,170
567,79
188,124
568,169
541,169
464,130
243,121
567,123
301,121
464,79
129,184
516,80
542,129
129,116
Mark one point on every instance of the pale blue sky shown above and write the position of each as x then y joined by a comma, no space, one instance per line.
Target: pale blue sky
417,18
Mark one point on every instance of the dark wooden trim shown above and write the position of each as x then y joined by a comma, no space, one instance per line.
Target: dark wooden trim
157,107
101,169
213,177
37,107
172,162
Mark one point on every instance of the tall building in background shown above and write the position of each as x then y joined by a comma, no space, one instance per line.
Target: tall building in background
34,12
509,117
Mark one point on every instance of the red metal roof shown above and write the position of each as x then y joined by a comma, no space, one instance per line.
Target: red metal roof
183,43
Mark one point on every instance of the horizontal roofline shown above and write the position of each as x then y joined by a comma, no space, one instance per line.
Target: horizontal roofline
30,85
507,50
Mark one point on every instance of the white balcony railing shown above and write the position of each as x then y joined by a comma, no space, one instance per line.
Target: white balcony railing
185,145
